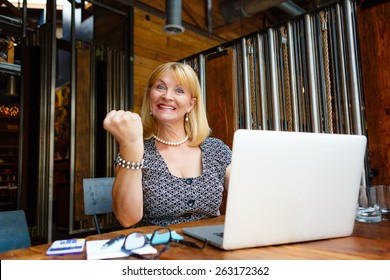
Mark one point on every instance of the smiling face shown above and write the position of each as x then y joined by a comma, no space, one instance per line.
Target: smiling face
184,94
170,100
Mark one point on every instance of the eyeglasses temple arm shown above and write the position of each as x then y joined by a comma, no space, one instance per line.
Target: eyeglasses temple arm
166,247
192,244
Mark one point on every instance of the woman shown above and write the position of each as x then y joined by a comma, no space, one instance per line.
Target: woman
169,171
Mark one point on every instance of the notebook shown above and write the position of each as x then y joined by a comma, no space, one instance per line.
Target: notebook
288,187
95,251
66,246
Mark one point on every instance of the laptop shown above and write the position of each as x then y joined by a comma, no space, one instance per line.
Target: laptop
288,187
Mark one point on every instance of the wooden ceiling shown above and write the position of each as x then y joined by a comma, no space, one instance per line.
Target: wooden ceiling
220,18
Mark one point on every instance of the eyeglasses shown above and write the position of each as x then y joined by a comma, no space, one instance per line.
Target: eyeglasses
161,236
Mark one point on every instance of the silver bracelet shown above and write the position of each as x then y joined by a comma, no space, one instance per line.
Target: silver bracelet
133,165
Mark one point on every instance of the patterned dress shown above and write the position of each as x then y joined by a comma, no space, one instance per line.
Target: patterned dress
170,200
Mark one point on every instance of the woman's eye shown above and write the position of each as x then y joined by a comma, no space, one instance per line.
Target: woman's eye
179,90
160,88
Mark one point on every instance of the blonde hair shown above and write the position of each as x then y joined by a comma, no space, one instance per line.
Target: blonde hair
197,126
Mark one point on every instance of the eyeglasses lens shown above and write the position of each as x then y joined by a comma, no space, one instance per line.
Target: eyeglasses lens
135,240
161,236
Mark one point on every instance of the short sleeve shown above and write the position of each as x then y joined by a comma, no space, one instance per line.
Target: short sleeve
218,155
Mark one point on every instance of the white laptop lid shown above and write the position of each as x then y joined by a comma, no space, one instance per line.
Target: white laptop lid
292,186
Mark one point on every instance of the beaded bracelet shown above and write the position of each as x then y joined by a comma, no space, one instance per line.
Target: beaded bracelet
129,164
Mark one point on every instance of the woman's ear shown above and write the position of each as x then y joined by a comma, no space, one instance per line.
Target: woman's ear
193,102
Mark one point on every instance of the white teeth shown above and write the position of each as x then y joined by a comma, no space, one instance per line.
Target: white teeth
167,107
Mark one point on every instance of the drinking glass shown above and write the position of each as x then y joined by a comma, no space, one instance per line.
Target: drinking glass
368,210
383,197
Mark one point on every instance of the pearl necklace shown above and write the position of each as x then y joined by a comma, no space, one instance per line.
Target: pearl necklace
171,143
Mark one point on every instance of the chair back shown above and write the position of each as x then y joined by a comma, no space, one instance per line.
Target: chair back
97,197
13,230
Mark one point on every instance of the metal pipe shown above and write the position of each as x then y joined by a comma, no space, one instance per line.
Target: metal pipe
233,10
40,217
129,61
72,128
341,59
251,7
202,78
312,74
299,42
21,119
173,19
93,98
293,75
248,123
9,68
355,90
109,99
353,73
160,14
263,88
51,67
274,79
291,8
210,16
113,81
24,26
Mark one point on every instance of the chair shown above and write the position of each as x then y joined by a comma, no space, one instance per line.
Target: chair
97,197
13,230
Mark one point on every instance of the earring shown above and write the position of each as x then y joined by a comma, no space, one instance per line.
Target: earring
186,119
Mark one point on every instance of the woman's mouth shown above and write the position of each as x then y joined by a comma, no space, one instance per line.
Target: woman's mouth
166,107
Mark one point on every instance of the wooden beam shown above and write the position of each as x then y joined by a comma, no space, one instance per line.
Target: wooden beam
17,13
186,9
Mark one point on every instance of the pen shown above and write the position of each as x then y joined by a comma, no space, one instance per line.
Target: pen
112,241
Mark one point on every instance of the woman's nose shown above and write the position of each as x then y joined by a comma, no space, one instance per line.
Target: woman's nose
168,94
